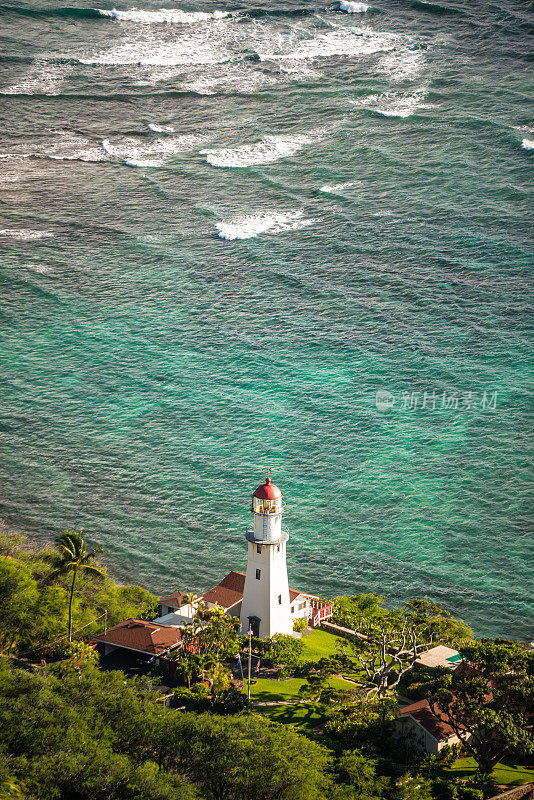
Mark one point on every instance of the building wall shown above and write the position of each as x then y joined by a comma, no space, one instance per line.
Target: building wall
300,607
261,596
409,730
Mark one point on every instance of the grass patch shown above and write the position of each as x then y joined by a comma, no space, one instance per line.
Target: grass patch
269,691
306,716
320,644
503,774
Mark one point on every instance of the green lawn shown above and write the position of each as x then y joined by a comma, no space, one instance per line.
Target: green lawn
504,774
271,690
320,644
307,716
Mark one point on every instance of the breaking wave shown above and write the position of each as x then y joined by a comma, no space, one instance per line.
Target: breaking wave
353,8
163,15
267,150
527,144
336,187
337,42
136,153
248,226
160,128
401,65
60,146
22,235
393,104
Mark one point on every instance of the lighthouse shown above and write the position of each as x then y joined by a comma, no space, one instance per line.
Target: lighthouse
265,607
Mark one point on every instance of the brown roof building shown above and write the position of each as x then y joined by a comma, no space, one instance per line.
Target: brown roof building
140,636
425,731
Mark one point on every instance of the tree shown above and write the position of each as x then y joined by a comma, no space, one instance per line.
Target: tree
489,703
282,649
73,557
437,620
359,773
388,653
412,787
18,599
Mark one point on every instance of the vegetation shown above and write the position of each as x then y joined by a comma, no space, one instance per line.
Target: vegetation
35,599
72,557
69,731
490,704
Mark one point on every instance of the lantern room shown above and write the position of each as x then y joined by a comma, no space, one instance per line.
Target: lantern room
267,499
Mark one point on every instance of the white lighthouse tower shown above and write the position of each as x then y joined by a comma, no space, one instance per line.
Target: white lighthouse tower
265,607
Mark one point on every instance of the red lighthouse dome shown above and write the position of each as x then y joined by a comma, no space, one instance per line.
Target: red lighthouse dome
267,491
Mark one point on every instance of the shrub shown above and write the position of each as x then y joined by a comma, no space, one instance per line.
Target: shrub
300,624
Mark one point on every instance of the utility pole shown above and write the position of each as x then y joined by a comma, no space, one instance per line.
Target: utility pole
249,659
105,620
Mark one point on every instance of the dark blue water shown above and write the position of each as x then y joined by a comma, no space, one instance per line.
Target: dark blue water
223,229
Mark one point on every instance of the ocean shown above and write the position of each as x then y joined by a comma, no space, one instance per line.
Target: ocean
286,233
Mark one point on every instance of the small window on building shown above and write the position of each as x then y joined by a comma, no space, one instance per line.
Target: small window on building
277,548
279,599
302,605
292,609
258,548
258,574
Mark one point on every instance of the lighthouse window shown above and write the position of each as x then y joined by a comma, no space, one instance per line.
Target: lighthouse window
258,574
292,609
279,599
258,548
277,548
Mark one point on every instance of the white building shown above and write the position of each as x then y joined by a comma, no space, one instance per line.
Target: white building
266,605
261,598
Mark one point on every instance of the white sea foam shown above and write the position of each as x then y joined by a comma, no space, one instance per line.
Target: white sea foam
336,187
163,15
239,78
393,104
59,146
248,226
527,144
144,49
41,78
267,150
160,128
339,41
353,8
403,64
24,235
138,153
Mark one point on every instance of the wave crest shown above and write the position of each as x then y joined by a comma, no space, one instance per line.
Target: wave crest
248,226
527,144
24,235
163,15
393,104
353,8
267,150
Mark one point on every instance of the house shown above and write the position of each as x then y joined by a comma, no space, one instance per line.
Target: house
419,727
147,639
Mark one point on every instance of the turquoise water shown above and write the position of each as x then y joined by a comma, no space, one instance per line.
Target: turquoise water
220,236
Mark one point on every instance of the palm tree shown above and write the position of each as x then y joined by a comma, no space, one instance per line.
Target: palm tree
73,557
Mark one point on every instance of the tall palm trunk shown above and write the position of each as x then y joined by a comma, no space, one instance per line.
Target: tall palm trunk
70,604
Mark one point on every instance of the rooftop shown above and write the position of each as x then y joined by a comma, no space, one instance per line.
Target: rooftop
422,713
145,637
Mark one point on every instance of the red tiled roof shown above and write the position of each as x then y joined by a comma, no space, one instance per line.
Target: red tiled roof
174,600
228,592
438,728
137,634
